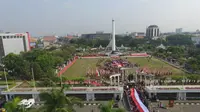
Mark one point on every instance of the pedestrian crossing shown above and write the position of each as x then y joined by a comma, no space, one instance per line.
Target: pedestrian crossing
187,103
85,104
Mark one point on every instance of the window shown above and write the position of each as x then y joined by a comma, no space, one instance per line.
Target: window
23,36
7,37
14,36
4,37
0,37
17,36
11,36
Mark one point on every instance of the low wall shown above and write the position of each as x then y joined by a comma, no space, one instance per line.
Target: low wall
67,67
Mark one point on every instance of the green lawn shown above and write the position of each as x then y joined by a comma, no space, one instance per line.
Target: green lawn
80,67
155,63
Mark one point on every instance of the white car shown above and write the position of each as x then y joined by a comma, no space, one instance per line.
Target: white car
29,103
23,102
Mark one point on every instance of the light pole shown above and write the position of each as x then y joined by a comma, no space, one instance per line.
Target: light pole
4,71
33,77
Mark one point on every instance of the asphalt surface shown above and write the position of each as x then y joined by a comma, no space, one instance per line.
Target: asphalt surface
176,108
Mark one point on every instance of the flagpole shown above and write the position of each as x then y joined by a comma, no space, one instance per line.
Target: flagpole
4,70
89,76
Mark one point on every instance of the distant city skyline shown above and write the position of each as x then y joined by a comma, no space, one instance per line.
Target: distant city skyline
61,17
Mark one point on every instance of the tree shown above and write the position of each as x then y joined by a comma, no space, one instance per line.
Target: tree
12,106
17,66
109,108
57,101
179,40
46,61
38,72
80,80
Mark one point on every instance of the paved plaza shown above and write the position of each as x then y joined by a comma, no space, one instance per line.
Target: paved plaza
184,107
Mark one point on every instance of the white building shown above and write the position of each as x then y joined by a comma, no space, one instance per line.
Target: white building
179,30
152,31
196,40
14,43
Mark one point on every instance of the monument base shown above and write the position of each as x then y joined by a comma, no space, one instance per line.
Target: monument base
116,53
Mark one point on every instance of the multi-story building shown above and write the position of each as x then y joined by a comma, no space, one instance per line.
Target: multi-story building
196,40
179,30
152,31
48,40
14,43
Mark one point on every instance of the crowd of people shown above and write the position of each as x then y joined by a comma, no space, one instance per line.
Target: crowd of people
112,67
132,105
142,96
119,63
157,72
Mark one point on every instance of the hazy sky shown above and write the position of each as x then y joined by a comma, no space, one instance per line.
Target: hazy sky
46,17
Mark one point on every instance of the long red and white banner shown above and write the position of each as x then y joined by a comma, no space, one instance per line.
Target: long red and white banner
135,97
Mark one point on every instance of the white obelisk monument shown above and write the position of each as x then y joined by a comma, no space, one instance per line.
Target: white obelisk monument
113,36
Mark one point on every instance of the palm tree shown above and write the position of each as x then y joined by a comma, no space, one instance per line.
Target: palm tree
12,106
109,108
57,101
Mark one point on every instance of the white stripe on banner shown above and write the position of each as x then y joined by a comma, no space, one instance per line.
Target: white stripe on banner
144,108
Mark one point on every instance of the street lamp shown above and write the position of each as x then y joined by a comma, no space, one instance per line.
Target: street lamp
33,77
4,72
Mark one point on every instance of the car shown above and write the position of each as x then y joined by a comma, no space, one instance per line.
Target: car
29,103
24,101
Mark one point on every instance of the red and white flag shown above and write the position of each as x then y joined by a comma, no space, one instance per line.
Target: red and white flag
97,73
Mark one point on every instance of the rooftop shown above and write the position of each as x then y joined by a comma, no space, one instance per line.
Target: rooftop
71,90
49,38
32,39
174,88
153,26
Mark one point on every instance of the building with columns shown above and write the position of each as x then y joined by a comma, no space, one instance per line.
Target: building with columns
152,31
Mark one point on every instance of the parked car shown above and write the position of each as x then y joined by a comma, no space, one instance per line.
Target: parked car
29,103
22,102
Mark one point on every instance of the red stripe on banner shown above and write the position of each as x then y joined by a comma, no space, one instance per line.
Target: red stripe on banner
135,101
67,67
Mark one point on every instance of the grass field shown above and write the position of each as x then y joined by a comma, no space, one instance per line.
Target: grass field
81,66
155,63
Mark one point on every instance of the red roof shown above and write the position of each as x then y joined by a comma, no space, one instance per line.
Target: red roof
69,37
49,38
32,39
